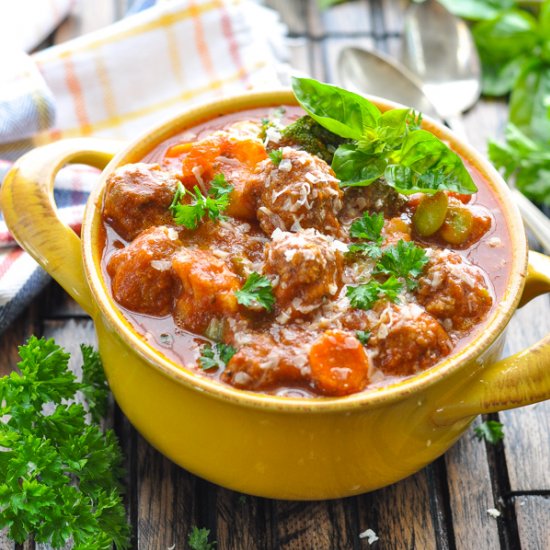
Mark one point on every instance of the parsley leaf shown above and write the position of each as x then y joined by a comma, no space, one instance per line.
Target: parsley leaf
490,430
217,200
256,291
371,249
364,296
215,357
198,539
59,474
276,156
368,227
363,336
404,259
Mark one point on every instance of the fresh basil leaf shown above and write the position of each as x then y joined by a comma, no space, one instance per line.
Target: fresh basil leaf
392,126
530,100
425,164
509,35
477,9
343,113
356,168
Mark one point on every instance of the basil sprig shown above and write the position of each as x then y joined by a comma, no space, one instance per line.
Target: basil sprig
388,145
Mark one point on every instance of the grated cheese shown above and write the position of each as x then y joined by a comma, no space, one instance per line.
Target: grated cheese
370,535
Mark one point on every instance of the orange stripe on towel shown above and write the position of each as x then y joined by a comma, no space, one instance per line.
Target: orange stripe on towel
202,44
78,98
227,30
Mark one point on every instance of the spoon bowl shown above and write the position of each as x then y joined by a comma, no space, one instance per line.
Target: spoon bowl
439,50
367,72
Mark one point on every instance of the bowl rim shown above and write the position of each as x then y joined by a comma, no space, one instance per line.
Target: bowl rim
136,150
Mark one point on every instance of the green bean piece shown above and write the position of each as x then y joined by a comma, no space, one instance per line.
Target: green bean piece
430,213
458,225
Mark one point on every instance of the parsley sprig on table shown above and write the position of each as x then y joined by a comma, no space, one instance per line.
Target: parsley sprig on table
59,472
256,291
211,205
490,430
216,356
198,539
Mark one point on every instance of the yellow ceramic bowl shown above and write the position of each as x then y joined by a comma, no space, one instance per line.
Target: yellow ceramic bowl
290,448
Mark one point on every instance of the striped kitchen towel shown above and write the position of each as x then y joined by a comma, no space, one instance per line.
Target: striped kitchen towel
117,82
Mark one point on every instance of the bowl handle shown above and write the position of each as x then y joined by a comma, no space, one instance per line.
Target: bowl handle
31,215
519,380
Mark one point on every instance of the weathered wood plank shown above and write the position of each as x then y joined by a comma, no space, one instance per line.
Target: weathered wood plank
533,517
526,430
293,14
350,17
326,525
57,304
165,497
407,514
471,494
242,522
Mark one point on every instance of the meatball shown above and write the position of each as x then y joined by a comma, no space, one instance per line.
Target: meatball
267,360
308,270
299,192
376,197
208,289
141,276
454,291
263,364
138,196
406,340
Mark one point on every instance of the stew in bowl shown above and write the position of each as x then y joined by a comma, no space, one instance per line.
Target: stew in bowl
289,251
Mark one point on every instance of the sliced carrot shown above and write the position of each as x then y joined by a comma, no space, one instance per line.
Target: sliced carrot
179,149
339,364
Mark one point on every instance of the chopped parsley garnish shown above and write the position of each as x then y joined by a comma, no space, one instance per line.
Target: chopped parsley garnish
364,296
212,205
257,290
217,356
490,430
59,470
276,156
405,260
363,336
198,539
368,227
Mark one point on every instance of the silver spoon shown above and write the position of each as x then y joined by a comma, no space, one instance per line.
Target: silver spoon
439,50
366,71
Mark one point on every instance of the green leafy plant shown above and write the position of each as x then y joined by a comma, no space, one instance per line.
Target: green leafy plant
490,430
211,205
198,539
364,296
256,291
59,471
216,356
382,144
514,47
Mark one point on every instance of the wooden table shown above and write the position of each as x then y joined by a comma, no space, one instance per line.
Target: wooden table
443,506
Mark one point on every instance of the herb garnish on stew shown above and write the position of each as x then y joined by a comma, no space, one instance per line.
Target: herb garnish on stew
256,291
383,144
211,205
